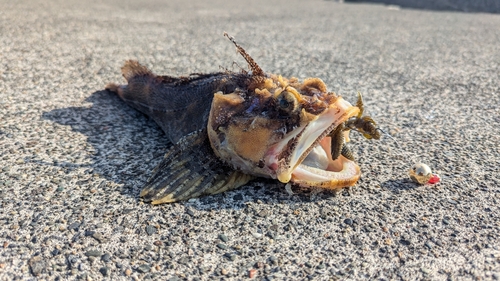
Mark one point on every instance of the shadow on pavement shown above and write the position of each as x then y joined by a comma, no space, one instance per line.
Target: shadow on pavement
122,142
399,185
486,6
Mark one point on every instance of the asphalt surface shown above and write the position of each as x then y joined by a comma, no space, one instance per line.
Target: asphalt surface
73,157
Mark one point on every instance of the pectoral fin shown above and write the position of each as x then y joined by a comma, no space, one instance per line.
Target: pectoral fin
190,169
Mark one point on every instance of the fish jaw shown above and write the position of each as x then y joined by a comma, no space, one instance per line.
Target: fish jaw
308,176
288,156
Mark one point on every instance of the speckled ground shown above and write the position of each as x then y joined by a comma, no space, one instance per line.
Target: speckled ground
73,157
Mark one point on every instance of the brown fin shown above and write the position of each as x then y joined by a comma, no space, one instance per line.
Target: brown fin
115,88
346,152
190,169
112,87
359,104
338,141
132,68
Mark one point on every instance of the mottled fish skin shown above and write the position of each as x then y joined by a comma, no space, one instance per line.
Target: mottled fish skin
179,105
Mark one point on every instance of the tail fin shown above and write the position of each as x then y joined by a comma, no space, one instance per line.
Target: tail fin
112,87
132,68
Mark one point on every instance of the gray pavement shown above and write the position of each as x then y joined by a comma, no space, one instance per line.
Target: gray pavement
73,157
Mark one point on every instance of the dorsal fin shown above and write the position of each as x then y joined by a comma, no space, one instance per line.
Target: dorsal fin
256,70
132,68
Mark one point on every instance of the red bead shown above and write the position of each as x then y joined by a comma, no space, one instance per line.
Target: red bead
434,179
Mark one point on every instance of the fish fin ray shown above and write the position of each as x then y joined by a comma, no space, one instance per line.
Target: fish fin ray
133,68
190,169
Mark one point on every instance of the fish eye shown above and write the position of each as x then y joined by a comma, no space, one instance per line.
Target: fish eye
284,103
287,101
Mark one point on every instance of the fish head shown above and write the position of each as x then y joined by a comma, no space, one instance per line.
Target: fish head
280,128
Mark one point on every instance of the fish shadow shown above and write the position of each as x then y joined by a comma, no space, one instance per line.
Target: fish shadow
125,146
266,192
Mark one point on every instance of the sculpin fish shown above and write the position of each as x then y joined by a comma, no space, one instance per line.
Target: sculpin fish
230,127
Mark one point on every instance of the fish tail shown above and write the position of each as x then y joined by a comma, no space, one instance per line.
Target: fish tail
112,87
132,69
115,88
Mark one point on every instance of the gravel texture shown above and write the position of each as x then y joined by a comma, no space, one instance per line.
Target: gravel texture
73,157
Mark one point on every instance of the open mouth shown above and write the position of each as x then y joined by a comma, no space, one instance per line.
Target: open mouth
310,163
320,170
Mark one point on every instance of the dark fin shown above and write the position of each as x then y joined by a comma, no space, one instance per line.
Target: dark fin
359,104
190,169
169,79
256,70
346,152
132,68
337,142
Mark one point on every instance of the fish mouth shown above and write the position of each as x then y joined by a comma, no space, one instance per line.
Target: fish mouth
306,154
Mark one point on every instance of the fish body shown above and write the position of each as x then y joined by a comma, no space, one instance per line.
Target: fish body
230,127
179,105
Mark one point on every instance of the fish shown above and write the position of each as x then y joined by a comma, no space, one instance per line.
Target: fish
228,128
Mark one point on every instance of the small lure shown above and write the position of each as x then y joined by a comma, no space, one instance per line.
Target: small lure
422,174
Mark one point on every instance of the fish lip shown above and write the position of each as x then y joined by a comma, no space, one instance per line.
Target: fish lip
308,176
290,168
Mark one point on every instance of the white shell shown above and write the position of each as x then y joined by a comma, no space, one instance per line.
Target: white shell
420,173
